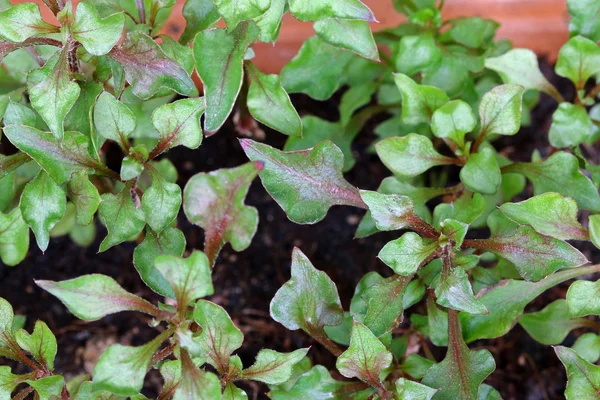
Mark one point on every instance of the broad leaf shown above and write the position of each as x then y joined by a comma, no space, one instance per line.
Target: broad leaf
314,10
582,298
48,388
148,68
304,183
178,123
85,196
314,384
366,357
406,254
273,368
500,110
121,217
550,214
588,347
410,390
552,324
454,291
220,60
351,35
584,19
583,377
453,120
8,382
189,277
161,202
97,35
482,174
195,383
270,104
416,53
14,237
391,212
578,60
23,21
309,300
473,32
419,102
41,344
270,22
199,15
52,93
91,297
571,126
113,119
219,337
236,11
215,202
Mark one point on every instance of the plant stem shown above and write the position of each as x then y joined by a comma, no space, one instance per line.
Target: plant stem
22,395
141,10
162,354
320,336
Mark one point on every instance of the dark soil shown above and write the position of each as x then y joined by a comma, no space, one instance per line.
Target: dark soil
246,282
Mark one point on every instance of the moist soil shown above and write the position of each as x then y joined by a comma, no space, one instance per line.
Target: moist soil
246,282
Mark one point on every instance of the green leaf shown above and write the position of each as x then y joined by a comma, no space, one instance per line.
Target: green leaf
406,254
584,378
220,63
410,155
482,174
453,120
550,214
48,388
520,66
578,60
588,347
84,195
215,202
59,160
113,119
92,297
270,22
552,324
121,217
584,19
178,123
355,98
416,366
314,384
43,203
366,357
500,110
52,93
148,68
571,126
41,344
270,104
391,212
309,300
236,11
416,53
594,225
324,9
462,371
560,173
232,392
189,277
161,202
410,390
122,369
582,298
419,102
170,241
351,35
97,35
437,324
199,15
195,383
304,183
273,368
22,21
8,382
473,32
14,237
219,337
80,117
454,291
317,70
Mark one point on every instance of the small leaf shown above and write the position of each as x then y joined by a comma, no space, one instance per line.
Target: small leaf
473,32
14,237
482,174
454,291
584,19
584,378
161,202
314,384
324,9
113,119
351,35
91,297
309,300
578,60
43,204
178,123
8,382
189,277
391,212
462,371
419,102
219,337
410,155
52,93
48,388
215,202
232,392
270,104
22,21
85,196
121,217
550,214
366,357
500,110
552,324
355,98
571,126
416,366
406,254
41,344
582,298
410,390
416,53
170,241
520,66
270,22
588,347
594,225
148,68
219,60
273,368
304,183
236,11
453,120
195,383
317,70
97,35
199,15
